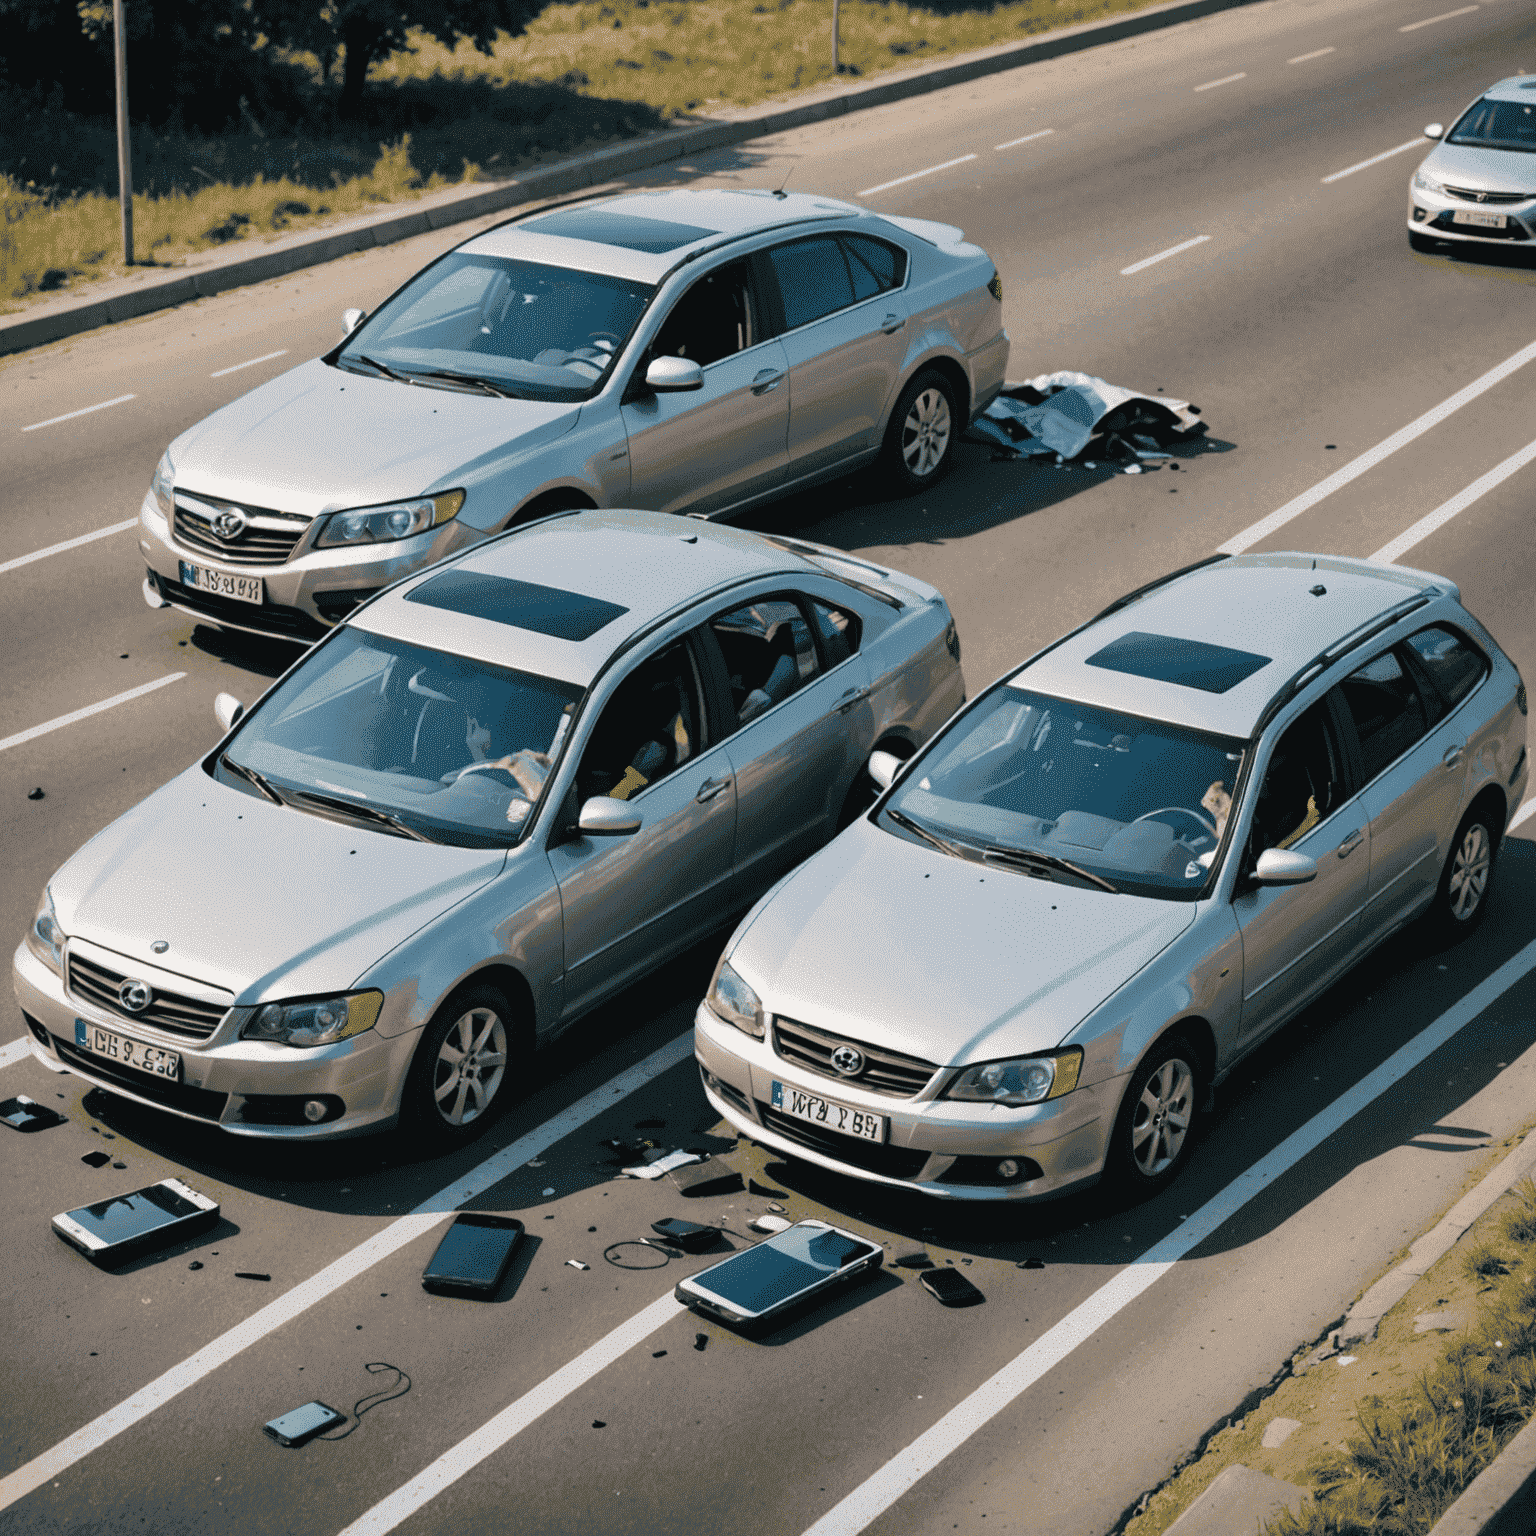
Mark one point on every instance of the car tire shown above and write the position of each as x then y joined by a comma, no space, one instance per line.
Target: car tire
920,438
1156,1124
1461,898
1420,242
458,1080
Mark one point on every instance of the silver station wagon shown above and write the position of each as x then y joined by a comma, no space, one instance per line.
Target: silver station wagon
686,351
497,794
1114,873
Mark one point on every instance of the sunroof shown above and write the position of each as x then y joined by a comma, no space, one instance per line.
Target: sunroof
523,604
606,226
1189,663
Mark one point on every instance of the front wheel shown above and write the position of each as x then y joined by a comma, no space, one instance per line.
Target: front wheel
1461,898
1153,1130
458,1079
919,443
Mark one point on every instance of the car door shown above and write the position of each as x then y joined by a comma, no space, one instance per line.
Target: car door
796,705
629,902
1413,772
1298,938
844,320
699,450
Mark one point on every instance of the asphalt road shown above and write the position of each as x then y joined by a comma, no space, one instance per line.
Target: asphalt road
1310,335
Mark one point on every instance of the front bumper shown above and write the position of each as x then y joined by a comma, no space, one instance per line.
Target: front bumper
1433,215
238,1085
934,1147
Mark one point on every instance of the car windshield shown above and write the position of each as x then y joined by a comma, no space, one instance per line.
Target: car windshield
1497,125
1073,793
491,324
411,742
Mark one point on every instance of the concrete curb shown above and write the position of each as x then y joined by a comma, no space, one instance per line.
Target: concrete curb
1501,1499
220,273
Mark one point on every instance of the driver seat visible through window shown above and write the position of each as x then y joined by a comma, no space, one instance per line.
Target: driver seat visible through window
1302,786
649,727
714,319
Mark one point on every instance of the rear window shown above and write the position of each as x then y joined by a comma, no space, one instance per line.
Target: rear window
1189,663
1454,665
523,604
1388,715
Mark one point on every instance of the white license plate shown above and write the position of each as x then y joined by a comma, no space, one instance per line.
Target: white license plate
248,589
799,1105
152,1059
1476,216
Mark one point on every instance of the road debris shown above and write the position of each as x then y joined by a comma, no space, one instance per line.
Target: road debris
663,1164
576,1264
251,1274
96,1159
769,1224
24,1114
712,1178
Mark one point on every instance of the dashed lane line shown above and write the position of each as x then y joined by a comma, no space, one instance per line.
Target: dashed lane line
1364,165
58,549
1429,21
85,410
928,171
1210,85
1317,53
90,709
17,1050
250,363
1152,261
1389,553
1525,813
1029,138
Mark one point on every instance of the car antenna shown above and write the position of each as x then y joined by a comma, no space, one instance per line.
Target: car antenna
779,191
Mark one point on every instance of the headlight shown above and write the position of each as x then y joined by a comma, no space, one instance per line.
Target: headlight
1427,183
162,483
395,520
735,1002
1029,1080
45,938
321,1021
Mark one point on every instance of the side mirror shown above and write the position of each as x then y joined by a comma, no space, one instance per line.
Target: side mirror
883,768
669,374
351,319
1279,866
228,710
603,816
1435,131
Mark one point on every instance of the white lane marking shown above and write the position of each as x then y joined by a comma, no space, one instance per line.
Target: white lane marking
58,549
1301,58
404,1229
1413,26
1426,525
512,1420
1173,250
88,711
1387,154
1029,138
84,410
959,160
1525,812
281,352
1373,456
877,1493
16,1051
1210,85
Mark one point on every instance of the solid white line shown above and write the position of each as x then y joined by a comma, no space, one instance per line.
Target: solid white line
83,411
1525,813
1373,456
1387,154
1413,26
1172,250
88,711
17,1050
281,352
1029,138
58,549
404,1229
1301,58
875,1495
1389,553
1210,85
960,160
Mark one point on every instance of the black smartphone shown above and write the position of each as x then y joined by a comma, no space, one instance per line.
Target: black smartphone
474,1255
761,1286
951,1287
301,1424
112,1231
24,1114
690,1236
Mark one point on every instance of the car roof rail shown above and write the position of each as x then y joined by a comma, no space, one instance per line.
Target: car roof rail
1152,586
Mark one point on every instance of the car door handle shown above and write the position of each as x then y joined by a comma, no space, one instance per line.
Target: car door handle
1350,843
712,787
852,697
767,380
892,323
1452,756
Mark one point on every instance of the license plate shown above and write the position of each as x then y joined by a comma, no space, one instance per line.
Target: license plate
1476,216
152,1059
248,589
799,1105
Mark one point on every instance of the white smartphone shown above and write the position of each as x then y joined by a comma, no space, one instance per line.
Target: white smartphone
114,1230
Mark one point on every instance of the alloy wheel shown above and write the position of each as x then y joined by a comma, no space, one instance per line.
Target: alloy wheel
1469,873
1162,1117
925,433
471,1063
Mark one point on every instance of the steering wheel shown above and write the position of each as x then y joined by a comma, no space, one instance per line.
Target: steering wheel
480,768
1181,810
608,336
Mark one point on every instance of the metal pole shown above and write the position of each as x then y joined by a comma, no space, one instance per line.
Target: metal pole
835,5
124,160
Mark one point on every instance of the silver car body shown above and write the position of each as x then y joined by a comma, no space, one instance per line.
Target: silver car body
221,901
1476,193
795,406
926,963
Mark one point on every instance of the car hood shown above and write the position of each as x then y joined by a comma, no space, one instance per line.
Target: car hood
254,897
318,438
901,946
1482,170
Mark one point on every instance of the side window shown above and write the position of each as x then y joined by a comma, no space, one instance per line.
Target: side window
1388,714
837,629
650,726
813,279
769,653
714,319
1453,665
1303,784
876,266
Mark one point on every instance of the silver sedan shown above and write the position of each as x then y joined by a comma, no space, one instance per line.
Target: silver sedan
1115,873
495,796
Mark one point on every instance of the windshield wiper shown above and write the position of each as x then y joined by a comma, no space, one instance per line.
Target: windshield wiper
367,814
378,367
1033,862
251,777
448,376
943,844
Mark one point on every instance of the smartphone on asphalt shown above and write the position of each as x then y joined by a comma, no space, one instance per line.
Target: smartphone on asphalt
474,1255
113,1231
951,1287
690,1236
300,1424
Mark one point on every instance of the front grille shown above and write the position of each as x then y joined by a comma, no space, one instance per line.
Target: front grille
267,538
884,1072
172,1012
267,619
1468,195
202,1102
871,1156
1513,230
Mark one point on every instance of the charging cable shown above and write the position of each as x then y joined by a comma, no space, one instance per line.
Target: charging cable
397,1388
